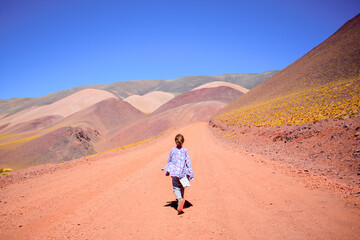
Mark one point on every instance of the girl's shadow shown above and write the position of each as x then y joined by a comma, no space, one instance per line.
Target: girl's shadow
174,205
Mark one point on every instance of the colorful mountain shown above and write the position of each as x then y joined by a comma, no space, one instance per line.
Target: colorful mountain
322,85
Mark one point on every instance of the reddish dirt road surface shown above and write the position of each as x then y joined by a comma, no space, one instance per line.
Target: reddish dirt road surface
124,195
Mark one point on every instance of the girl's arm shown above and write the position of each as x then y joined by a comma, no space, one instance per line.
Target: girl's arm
170,156
169,160
189,166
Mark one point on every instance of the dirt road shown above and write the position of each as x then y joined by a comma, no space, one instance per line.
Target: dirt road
124,195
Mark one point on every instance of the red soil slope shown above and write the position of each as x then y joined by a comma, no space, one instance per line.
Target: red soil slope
337,58
124,195
329,149
64,107
62,144
32,125
154,124
43,140
115,123
189,107
104,116
319,96
221,94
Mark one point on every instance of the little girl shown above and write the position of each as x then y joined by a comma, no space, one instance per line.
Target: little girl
179,166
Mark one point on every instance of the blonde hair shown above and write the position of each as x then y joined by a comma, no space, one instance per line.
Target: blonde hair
179,139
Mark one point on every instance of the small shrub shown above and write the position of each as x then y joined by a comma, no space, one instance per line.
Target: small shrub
5,170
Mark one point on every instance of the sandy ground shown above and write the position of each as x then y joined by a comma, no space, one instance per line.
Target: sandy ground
124,195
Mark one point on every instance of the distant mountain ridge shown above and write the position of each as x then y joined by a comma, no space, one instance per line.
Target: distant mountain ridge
125,89
92,121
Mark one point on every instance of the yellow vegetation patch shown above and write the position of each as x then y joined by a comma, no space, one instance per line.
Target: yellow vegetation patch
339,100
9,136
21,140
5,170
126,146
18,134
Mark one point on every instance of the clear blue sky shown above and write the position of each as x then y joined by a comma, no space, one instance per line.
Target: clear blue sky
51,45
